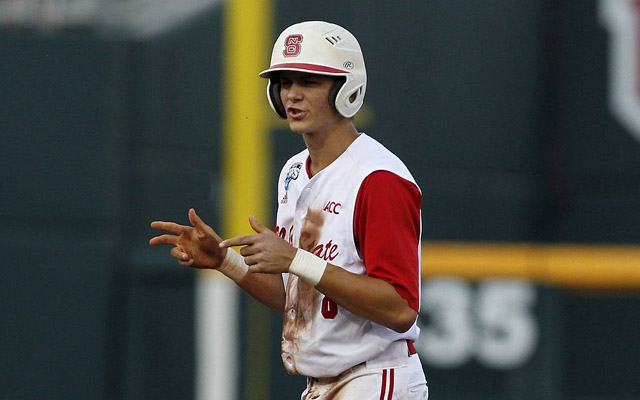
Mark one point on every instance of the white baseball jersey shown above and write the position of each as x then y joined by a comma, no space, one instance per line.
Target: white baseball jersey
320,338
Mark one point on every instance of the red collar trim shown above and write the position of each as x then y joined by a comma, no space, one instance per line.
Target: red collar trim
308,167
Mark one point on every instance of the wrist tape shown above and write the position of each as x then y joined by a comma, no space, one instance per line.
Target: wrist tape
308,267
233,265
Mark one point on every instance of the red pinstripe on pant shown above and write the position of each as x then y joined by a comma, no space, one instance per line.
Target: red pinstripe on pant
383,389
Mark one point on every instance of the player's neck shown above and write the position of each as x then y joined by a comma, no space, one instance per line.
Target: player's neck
326,147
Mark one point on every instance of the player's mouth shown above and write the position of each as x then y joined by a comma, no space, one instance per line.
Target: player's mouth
295,113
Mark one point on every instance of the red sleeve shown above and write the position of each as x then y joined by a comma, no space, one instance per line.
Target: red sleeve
387,232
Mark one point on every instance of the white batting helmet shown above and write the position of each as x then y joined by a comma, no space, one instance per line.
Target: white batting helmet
321,48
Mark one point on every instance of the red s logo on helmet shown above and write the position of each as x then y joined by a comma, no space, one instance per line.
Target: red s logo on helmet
292,45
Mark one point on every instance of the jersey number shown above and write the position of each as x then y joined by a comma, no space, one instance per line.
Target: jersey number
329,308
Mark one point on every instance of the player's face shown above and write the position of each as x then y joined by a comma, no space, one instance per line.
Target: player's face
306,100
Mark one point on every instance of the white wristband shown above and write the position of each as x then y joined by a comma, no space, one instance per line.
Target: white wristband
308,267
233,265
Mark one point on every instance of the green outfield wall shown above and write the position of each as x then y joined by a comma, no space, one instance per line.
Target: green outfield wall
513,117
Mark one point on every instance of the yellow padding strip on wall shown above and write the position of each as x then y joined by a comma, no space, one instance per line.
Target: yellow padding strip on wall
573,266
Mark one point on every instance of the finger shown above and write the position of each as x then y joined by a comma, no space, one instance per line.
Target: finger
254,269
168,226
251,260
163,239
247,251
178,253
257,226
245,240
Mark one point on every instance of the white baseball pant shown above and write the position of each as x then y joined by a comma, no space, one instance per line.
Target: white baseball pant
393,375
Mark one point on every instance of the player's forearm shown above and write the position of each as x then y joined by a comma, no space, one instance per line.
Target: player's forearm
268,289
368,297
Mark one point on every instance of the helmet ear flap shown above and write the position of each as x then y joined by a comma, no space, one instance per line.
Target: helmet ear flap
273,93
333,92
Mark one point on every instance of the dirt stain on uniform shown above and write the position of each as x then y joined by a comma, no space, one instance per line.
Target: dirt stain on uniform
311,229
331,390
303,300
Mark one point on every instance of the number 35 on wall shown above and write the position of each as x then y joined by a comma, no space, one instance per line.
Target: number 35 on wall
491,322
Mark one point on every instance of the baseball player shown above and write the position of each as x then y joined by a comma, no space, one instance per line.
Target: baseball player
343,262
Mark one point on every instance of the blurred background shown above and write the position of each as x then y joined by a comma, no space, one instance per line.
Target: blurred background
520,121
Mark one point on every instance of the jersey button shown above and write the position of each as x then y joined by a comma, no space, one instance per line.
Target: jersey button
291,314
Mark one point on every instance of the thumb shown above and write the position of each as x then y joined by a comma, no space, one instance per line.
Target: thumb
257,226
194,219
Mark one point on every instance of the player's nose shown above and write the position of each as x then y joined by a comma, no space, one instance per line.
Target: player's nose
294,92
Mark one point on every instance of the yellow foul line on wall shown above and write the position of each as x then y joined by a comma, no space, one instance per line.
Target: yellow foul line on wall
571,266
247,164
246,114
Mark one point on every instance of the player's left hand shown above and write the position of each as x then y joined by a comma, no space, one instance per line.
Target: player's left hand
263,251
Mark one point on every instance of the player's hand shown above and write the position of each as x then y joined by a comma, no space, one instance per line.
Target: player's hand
195,246
263,251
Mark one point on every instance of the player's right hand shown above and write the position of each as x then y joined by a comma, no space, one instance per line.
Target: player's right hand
195,246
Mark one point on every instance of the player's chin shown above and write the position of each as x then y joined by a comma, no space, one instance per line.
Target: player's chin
297,127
